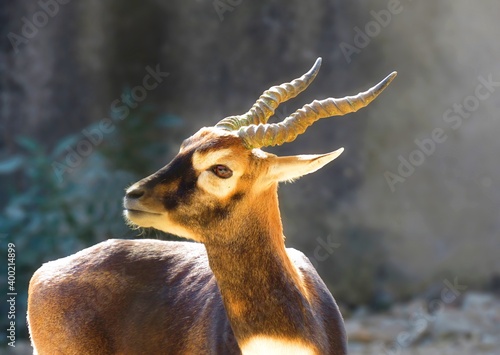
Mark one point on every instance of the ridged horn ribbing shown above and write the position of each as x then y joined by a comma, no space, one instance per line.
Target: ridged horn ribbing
265,135
267,103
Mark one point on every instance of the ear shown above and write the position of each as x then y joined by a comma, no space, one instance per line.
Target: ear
290,168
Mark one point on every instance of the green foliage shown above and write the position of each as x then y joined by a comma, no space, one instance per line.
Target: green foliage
47,217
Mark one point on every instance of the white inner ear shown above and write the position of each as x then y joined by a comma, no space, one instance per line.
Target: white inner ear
293,167
208,181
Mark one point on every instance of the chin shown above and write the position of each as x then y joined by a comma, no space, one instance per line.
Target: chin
161,222
140,218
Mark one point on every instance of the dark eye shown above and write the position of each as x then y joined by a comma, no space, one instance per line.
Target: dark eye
222,171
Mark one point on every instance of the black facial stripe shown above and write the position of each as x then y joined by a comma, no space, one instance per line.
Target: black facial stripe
184,190
180,180
181,177
170,202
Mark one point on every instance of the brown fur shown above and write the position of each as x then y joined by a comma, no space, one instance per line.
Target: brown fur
153,297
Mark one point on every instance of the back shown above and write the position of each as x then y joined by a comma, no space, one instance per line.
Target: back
145,296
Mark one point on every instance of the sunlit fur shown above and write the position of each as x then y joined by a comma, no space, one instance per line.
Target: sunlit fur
243,292
268,345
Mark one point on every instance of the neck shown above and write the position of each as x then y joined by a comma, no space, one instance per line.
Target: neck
262,290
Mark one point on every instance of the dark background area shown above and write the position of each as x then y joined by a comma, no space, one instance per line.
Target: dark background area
63,68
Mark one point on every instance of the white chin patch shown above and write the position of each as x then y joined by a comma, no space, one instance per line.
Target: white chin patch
161,222
276,346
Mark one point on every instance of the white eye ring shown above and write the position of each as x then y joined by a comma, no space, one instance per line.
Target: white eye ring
221,171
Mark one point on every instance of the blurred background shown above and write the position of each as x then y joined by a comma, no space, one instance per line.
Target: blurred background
403,227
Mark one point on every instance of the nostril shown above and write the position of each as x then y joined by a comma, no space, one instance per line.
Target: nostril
135,193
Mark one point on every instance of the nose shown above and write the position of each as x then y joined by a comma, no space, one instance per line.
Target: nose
134,193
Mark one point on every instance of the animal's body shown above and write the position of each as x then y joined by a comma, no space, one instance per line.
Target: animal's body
111,312
241,291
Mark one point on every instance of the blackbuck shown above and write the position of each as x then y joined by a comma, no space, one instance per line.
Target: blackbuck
238,290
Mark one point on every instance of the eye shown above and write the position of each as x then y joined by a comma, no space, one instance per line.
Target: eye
222,171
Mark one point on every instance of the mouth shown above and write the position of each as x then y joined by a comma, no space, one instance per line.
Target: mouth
133,212
133,207
137,217
140,218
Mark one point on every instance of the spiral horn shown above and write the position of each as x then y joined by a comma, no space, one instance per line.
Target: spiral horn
265,135
267,103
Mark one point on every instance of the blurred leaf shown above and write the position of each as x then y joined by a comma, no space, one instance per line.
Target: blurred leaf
29,144
11,164
15,212
63,144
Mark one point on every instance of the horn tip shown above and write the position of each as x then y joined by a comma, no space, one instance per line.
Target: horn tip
391,76
314,69
377,89
336,153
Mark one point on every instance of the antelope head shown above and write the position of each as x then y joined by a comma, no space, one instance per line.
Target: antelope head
221,179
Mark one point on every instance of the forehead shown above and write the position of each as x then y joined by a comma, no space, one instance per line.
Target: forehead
211,146
209,139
